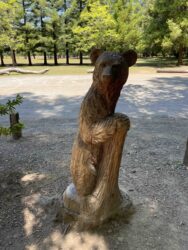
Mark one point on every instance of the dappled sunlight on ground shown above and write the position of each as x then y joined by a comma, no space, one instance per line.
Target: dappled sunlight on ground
30,221
61,96
34,171
75,241
156,96
32,177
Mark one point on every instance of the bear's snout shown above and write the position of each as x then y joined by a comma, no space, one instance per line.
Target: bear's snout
107,71
110,73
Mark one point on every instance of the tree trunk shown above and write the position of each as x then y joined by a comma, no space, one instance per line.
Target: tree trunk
22,71
185,160
67,53
81,58
2,59
66,45
106,200
180,56
81,55
14,119
29,58
55,55
45,58
13,56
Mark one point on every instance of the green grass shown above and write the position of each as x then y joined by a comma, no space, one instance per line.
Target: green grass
62,69
146,65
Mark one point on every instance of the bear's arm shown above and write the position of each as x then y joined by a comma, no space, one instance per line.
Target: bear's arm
106,128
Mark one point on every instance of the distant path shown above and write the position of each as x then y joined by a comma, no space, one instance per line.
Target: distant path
144,94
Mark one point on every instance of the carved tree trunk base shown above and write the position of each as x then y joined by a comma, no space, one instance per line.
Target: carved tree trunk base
106,200
118,205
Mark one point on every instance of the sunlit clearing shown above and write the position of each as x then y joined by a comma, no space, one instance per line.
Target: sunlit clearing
31,247
33,177
76,241
153,207
29,221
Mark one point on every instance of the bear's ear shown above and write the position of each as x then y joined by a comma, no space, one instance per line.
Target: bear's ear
95,53
130,57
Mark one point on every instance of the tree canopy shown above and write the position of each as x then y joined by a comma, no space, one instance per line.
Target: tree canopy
56,27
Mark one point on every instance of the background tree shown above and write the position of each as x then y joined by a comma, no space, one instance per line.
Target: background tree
128,17
167,26
54,24
71,17
38,9
95,28
73,27
27,29
9,36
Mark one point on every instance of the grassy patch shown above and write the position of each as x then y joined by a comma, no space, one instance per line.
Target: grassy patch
62,69
144,65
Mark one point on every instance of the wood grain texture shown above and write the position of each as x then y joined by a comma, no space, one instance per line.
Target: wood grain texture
98,146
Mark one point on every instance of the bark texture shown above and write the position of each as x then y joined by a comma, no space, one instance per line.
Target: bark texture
97,150
14,119
13,56
185,160
2,59
21,71
180,55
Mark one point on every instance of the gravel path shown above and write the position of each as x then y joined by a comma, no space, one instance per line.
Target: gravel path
35,169
143,94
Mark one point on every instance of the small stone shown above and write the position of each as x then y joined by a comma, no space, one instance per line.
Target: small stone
133,171
120,239
15,236
131,190
182,223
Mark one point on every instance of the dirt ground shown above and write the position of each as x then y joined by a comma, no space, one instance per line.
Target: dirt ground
34,171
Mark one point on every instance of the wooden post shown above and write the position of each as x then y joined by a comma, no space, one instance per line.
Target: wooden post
94,196
185,160
14,119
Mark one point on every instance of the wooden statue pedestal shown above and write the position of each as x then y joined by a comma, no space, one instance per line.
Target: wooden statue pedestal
106,200
72,206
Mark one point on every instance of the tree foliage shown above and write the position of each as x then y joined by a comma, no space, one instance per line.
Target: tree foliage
95,28
56,27
8,109
166,26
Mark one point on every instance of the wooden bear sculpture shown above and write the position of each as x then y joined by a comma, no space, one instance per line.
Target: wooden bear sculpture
97,150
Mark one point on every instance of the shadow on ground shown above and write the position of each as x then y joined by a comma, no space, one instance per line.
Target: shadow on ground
34,171
158,96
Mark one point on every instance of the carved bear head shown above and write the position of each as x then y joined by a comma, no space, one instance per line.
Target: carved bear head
112,68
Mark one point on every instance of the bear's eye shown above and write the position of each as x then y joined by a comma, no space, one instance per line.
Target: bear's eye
116,67
103,64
